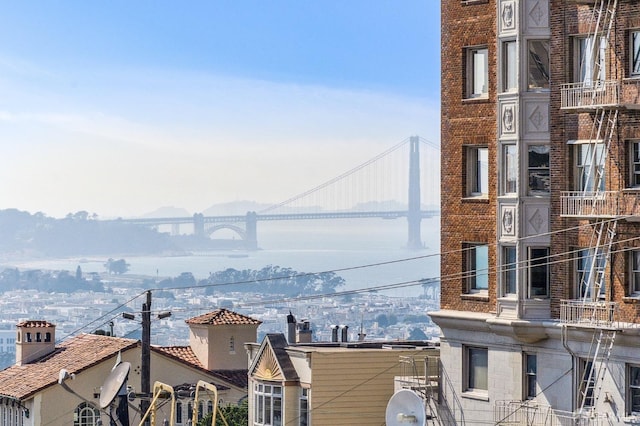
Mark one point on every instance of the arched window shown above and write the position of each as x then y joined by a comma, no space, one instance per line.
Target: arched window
86,414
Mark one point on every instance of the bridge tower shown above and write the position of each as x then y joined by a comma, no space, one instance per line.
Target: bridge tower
251,228
414,215
198,224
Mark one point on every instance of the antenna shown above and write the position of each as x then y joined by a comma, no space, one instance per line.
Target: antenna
405,408
113,383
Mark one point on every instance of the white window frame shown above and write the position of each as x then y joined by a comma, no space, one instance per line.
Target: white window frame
583,381
589,165
476,274
86,414
537,264
477,74
530,364
538,173
585,60
538,71
634,273
509,66
268,408
584,262
633,389
476,376
509,271
634,54
509,169
634,163
477,161
304,407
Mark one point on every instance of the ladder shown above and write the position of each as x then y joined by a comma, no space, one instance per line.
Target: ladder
595,369
602,18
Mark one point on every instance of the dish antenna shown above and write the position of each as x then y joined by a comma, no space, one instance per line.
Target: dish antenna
113,383
405,408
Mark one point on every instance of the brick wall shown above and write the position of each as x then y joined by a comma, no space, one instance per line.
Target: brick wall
466,123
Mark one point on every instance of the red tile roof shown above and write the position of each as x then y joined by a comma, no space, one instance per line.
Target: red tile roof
74,355
185,354
223,317
35,323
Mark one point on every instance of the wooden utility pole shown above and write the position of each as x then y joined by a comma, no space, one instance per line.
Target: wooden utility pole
145,362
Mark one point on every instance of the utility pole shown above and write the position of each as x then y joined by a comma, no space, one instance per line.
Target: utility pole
145,362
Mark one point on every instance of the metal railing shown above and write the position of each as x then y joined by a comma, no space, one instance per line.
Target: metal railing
598,94
531,413
592,313
602,204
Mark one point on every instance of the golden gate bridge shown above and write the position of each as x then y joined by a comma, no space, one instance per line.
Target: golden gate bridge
391,185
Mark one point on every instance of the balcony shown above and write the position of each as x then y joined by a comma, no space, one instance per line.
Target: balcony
600,205
531,413
601,94
597,313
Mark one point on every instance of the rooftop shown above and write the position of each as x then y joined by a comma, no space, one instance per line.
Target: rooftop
223,317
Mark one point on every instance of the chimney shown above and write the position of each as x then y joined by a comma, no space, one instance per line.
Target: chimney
334,333
34,340
345,335
303,334
291,328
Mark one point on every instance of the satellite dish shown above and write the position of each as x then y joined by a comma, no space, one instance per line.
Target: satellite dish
113,383
405,408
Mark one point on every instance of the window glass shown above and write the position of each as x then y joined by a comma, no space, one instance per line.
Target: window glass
478,72
538,65
510,66
635,273
477,368
634,390
538,272
587,271
531,375
509,275
635,52
538,168
510,169
477,267
478,171
304,407
590,61
590,167
635,163
587,384
268,405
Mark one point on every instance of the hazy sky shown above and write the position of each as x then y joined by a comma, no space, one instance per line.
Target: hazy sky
121,107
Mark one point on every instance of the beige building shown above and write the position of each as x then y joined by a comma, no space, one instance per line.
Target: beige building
331,383
31,395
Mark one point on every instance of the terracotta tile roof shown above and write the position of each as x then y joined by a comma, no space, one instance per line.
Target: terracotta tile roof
186,355
35,323
223,317
74,355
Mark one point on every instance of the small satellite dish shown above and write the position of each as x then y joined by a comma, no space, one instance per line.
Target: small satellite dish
113,383
405,408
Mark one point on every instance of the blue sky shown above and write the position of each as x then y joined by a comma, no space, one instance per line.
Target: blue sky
121,107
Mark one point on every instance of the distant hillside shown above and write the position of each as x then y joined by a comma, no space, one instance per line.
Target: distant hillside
168,211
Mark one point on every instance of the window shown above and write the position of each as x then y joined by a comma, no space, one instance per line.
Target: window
476,267
304,407
538,169
590,167
635,52
510,169
509,270
86,414
268,405
538,272
587,383
38,337
590,60
634,285
477,171
633,389
587,272
178,412
47,337
476,369
509,66
634,167
530,375
232,345
477,72
538,65
28,339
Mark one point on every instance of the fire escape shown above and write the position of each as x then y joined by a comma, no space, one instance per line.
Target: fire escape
592,309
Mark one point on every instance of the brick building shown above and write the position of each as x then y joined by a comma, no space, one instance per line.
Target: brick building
540,241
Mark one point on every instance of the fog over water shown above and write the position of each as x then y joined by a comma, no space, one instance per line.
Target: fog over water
305,246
